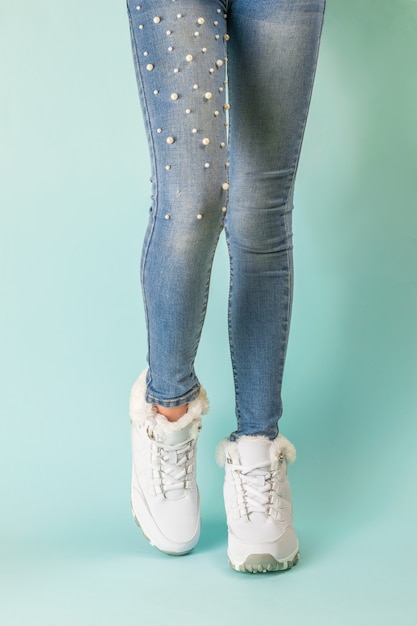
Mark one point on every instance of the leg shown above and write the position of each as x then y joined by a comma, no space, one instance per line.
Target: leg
179,52
179,55
272,59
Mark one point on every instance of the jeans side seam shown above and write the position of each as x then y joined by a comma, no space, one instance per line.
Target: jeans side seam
229,324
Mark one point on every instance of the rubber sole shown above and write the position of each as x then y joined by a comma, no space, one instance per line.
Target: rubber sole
264,564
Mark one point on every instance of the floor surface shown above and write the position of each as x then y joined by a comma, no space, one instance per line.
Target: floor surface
336,583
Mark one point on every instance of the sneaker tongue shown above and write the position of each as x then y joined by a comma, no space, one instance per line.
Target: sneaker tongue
253,452
173,437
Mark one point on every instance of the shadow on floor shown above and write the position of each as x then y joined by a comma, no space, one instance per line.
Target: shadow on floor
213,535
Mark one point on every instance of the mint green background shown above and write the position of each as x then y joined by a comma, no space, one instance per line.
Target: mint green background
74,196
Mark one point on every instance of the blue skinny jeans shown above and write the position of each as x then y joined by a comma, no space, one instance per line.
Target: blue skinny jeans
225,87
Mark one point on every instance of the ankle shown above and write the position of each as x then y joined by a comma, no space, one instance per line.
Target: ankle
174,413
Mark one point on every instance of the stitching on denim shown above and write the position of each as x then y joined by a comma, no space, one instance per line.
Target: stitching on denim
187,397
151,225
229,325
288,233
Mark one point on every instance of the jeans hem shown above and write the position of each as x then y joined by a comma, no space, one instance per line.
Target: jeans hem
237,434
184,399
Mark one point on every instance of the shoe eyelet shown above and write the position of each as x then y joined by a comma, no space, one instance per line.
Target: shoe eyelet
228,459
149,433
281,457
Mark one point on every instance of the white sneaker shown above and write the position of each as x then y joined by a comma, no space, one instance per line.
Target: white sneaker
258,503
165,497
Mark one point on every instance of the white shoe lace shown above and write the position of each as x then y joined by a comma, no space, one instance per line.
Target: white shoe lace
256,488
173,465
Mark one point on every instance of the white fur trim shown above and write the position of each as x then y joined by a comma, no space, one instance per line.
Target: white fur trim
140,410
221,451
280,444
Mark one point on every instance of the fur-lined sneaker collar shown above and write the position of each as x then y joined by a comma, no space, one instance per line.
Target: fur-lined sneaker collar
140,410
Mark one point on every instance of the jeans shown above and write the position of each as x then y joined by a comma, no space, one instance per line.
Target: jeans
225,87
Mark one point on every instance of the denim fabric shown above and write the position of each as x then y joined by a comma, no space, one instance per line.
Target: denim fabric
200,66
